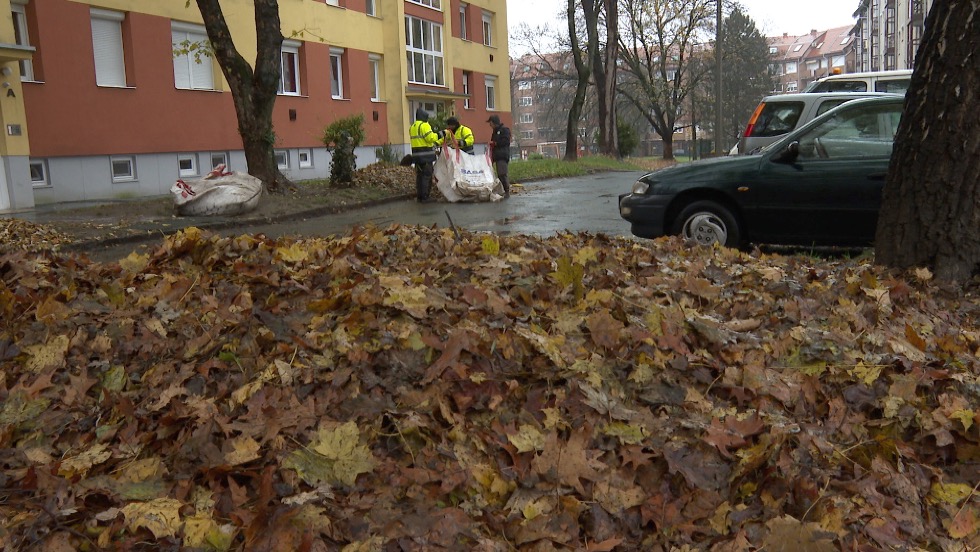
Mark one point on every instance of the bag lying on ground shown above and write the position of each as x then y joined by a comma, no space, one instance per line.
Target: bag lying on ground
219,193
466,177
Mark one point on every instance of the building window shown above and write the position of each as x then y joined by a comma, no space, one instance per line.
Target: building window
289,80
791,86
797,48
488,29
219,158
282,159
790,68
491,88
467,76
337,72
423,44
773,49
107,42
524,85
375,62
434,4
305,157
187,164
39,173
527,118
123,168
192,62
22,39
527,134
526,100
370,8
463,33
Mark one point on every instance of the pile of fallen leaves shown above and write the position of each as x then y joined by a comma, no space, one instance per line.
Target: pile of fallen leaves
411,389
22,235
382,175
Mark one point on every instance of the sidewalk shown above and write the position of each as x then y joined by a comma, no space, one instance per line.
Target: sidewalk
109,223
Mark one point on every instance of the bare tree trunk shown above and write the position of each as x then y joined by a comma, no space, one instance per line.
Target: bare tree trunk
253,92
607,94
930,213
581,87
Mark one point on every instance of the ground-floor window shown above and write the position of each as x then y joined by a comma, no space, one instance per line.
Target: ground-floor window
39,173
219,158
282,159
187,164
123,168
305,158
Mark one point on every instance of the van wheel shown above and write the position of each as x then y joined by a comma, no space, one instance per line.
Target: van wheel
708,222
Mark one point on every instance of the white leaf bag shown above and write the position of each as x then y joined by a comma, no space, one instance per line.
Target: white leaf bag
466,177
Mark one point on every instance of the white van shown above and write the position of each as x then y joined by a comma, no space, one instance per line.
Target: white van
892,82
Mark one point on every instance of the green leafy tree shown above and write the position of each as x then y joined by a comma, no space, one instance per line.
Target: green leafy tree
747,75
629,139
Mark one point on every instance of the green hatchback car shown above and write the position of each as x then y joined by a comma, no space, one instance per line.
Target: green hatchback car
819,185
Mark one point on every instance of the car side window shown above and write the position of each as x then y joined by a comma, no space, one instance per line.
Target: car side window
844,86
863,132
893,86
827,105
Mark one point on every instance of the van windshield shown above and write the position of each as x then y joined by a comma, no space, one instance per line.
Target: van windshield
776,118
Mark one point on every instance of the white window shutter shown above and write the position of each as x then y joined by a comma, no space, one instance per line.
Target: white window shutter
182,78
110,66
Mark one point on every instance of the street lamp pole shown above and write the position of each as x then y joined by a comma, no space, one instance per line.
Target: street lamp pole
718,118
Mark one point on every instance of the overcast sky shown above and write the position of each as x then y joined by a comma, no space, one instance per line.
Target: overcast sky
772,17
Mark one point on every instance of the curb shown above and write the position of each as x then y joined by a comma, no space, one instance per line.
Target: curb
91,244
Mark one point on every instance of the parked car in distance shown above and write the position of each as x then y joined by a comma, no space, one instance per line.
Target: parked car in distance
892,82
819,185
777,115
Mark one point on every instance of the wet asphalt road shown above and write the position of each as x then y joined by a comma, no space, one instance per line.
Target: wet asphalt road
580,204
543,208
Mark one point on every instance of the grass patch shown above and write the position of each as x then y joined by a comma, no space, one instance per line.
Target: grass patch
536,169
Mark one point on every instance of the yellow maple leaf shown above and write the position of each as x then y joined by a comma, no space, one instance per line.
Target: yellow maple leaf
570,274
134,262
949,493
82,463
527,439
160,516
867,373
336,455
241,450
490,245
586,254
47,355
965,417
295,253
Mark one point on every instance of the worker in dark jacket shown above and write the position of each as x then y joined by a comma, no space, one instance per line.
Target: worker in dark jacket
500,151
462,133
424,142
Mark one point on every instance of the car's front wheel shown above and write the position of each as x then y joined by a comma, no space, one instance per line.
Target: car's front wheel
708,222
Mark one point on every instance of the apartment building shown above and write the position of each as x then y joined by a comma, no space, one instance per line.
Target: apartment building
889,32
799,60
97,104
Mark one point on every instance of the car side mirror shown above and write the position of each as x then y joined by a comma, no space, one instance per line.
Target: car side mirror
789,153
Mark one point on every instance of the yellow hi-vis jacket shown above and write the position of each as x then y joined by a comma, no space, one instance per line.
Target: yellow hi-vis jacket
423,139
464,136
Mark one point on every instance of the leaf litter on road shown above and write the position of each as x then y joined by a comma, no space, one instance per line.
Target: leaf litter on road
414,389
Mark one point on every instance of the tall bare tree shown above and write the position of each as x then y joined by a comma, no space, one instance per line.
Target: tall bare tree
656,51
581,85
930,213
253,91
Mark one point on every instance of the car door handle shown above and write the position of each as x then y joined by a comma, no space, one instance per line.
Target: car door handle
877,176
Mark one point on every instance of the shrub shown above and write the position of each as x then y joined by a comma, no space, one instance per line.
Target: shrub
387,154
627,137
341,138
